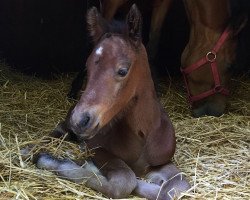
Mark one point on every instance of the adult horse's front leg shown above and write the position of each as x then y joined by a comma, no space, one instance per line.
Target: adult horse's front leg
110,7
165,183
115,179
77,84
160,9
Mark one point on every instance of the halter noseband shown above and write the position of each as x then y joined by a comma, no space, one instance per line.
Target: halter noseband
210,57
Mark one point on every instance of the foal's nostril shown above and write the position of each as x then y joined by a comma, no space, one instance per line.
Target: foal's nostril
85,119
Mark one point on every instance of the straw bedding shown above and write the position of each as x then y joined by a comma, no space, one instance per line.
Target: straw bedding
213,152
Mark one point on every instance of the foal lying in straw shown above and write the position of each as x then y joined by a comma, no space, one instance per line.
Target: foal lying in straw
120,119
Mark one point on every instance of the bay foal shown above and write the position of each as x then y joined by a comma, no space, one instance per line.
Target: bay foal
120,119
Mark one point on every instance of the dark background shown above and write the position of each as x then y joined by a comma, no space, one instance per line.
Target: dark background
45,37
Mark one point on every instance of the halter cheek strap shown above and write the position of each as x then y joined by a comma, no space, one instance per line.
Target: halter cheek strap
210,57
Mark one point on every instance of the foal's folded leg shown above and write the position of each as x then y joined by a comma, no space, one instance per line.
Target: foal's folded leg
147,190
61,131
119,180
165,183
171,180
66,168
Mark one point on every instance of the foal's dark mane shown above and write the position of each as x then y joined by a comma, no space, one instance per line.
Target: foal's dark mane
115,27
118,27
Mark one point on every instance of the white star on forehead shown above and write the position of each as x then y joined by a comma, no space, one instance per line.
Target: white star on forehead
99,50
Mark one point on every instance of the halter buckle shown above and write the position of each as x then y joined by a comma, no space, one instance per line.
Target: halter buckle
211,56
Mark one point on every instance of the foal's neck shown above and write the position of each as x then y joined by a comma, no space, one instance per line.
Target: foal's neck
146,110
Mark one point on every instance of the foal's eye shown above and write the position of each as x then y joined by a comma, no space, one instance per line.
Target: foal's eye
123,71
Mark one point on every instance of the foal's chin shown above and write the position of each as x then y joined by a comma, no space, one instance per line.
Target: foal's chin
86,133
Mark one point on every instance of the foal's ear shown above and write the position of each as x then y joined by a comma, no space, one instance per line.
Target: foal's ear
97,25
134,22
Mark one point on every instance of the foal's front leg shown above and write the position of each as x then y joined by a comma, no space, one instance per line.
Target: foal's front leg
116,180
66,168
165,183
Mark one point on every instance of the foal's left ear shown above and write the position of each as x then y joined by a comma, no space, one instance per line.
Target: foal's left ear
134,22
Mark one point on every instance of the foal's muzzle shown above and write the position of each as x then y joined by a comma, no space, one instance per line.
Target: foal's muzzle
83,123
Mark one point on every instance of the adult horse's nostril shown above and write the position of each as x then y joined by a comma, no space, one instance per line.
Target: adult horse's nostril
85,120
200,111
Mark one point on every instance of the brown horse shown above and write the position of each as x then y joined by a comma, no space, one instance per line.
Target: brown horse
208,54
120,119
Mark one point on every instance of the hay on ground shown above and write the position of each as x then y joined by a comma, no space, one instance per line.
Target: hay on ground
214,153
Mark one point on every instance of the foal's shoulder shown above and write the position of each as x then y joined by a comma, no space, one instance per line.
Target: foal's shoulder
160,144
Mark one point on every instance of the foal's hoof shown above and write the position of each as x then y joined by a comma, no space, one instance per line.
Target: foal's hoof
173,188
26,151
45,161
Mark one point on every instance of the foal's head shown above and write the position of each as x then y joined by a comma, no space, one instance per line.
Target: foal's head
114,72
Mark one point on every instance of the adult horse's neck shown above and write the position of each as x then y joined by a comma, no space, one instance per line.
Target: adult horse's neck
212,14
208,19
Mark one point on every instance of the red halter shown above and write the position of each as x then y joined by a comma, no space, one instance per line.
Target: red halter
209,58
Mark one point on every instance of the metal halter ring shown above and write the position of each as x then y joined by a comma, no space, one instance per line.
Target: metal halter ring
218,89
211,56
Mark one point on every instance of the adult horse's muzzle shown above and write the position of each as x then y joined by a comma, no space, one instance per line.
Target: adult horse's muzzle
214,106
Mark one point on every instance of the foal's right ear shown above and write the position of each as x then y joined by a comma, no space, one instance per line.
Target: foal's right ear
97,25
134,23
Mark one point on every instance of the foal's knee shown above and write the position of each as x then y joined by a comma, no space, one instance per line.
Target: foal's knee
122,184
117,193
174,187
